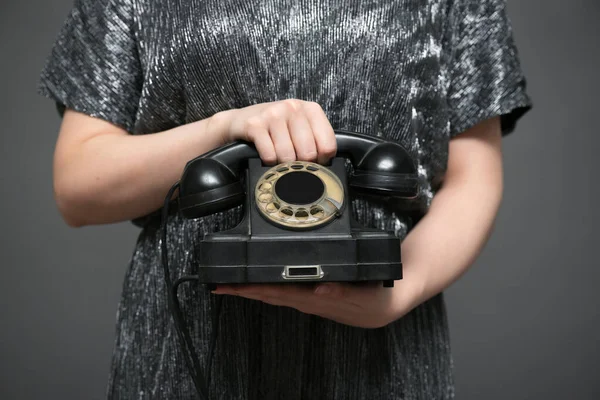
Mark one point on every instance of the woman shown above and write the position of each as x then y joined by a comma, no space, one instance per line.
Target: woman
145,86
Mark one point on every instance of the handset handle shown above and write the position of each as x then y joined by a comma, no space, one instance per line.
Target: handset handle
381,168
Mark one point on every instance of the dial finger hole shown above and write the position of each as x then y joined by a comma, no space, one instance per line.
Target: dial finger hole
286,212
312,168
317,212
270,177
265,197
301,214
265,187
272,207
297,166
282,169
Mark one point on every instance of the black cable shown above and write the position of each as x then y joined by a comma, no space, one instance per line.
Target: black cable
215,323
187,345
213,339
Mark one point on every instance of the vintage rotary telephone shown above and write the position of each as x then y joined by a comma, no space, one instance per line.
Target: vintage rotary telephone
297,224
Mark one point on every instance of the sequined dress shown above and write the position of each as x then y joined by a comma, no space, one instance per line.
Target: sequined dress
149,66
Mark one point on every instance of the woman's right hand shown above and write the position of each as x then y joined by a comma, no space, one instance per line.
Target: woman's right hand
103,174
286,130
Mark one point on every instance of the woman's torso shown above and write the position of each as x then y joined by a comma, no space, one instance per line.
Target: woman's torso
374,67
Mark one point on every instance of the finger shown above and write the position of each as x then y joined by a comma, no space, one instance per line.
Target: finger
273,290
289,294
302,138
323,132
280,136
300,298
274,301
259,135
277,117
221,288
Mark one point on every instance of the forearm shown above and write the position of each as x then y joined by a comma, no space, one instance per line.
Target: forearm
448,240
112,176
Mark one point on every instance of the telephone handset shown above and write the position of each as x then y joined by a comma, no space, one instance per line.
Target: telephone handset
212,182
297,224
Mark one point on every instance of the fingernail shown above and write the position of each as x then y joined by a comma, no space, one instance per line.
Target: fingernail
324,289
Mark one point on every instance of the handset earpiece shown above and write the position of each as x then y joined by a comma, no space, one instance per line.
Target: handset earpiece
386,169
380,167
212,182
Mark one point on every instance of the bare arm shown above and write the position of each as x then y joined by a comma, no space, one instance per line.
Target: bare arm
103,175
450,237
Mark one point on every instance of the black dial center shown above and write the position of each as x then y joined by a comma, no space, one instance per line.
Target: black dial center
299,187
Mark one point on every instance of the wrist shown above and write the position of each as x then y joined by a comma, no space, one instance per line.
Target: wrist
219,124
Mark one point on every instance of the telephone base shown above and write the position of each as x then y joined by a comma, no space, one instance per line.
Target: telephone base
358,257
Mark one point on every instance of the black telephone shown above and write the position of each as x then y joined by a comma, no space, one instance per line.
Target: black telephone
297,224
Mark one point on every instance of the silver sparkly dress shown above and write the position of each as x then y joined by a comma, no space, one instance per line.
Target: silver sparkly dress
149,65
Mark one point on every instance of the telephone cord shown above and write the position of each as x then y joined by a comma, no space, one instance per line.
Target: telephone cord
186,344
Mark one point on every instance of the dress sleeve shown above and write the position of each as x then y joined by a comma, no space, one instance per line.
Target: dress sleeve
486,79
93,66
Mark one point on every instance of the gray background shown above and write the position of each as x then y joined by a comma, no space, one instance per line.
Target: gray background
524,320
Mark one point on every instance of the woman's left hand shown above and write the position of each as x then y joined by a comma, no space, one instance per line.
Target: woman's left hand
437,251
364,305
